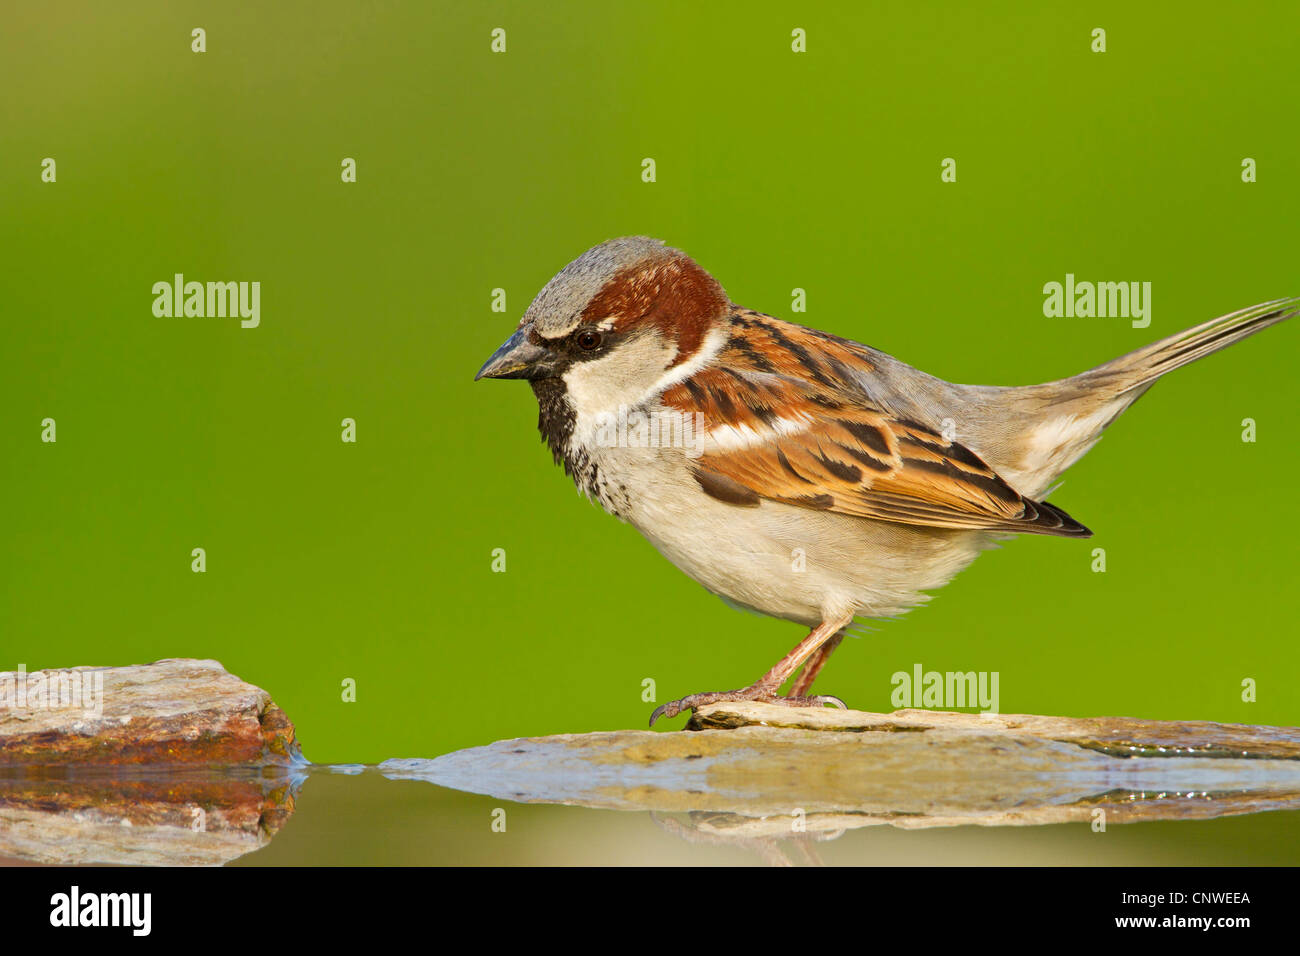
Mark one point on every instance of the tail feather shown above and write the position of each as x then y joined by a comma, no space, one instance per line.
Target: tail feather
1033,434
1143,366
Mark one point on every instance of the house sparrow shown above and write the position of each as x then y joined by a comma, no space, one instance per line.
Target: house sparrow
806,476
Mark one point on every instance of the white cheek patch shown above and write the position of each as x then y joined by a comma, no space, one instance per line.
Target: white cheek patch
599,387
632,376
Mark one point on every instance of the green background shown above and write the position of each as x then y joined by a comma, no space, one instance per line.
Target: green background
477,170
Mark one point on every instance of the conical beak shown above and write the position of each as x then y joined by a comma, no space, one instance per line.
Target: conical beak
517,358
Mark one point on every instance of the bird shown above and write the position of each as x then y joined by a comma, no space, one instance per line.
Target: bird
792,472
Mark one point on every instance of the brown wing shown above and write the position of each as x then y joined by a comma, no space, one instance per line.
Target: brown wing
802,440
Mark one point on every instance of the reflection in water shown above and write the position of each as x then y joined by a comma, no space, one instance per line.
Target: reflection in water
768,839
774,780
178,818
374,819
674,799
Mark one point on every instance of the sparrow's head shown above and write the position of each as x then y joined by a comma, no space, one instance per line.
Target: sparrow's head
624,319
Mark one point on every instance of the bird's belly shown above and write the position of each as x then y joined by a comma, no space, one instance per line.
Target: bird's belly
796,563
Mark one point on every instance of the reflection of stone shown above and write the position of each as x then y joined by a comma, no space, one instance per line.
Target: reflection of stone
176,763
183,818
911,769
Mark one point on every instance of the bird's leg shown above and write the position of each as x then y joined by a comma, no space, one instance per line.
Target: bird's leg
766,688
814,666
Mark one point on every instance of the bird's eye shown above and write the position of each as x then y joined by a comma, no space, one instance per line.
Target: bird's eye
589,341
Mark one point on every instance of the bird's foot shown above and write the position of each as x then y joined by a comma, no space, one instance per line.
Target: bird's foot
759,692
